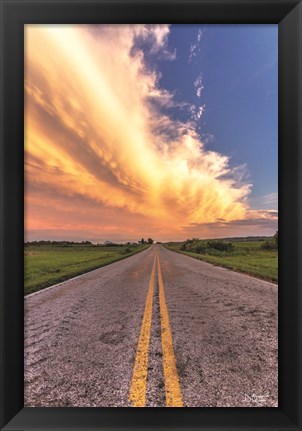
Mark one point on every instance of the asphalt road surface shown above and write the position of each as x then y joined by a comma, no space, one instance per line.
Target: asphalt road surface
156,329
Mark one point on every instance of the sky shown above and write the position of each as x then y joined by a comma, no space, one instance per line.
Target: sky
161,131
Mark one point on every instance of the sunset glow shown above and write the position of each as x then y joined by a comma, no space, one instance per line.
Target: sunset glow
104,159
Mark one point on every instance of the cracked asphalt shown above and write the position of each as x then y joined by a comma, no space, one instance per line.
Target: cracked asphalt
81,337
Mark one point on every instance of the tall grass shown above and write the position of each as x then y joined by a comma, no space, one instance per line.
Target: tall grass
247,257
49,264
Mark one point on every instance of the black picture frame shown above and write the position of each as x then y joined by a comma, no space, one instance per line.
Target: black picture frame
288,15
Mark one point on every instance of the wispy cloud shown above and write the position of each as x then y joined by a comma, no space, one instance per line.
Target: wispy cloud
195,47
255,223
268,201
154,38
93,136
196,111
198,85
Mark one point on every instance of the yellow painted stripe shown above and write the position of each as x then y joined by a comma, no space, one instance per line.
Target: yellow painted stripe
172,387
138,386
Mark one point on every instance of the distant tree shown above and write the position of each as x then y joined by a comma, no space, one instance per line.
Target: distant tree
271,245
267,245
150,241
275,238
142,241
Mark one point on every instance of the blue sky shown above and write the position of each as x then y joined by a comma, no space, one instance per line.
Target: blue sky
237,68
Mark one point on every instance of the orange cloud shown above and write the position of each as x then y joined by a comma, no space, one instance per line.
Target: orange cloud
94,140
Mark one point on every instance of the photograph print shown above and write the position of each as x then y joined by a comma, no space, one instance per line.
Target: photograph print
151,215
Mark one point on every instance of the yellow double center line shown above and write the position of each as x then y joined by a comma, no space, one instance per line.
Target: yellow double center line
139,378
138,386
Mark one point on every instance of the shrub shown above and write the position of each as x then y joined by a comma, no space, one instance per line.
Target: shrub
220,245
269,245
200,247
276,238
196,245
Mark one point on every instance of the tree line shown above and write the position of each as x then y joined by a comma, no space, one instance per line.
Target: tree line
71,243
148,241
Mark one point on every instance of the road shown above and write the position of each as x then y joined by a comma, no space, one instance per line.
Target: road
156,329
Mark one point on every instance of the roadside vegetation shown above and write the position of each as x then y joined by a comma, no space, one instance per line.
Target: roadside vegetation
258,258
50,262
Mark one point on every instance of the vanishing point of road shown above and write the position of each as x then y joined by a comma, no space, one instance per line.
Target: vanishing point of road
156,329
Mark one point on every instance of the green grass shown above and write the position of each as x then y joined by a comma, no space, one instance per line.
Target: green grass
247,257
45,265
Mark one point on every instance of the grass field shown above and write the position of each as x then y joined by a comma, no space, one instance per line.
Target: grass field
45,265
247,257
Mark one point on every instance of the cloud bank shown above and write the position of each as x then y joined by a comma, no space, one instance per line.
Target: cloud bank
101,157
